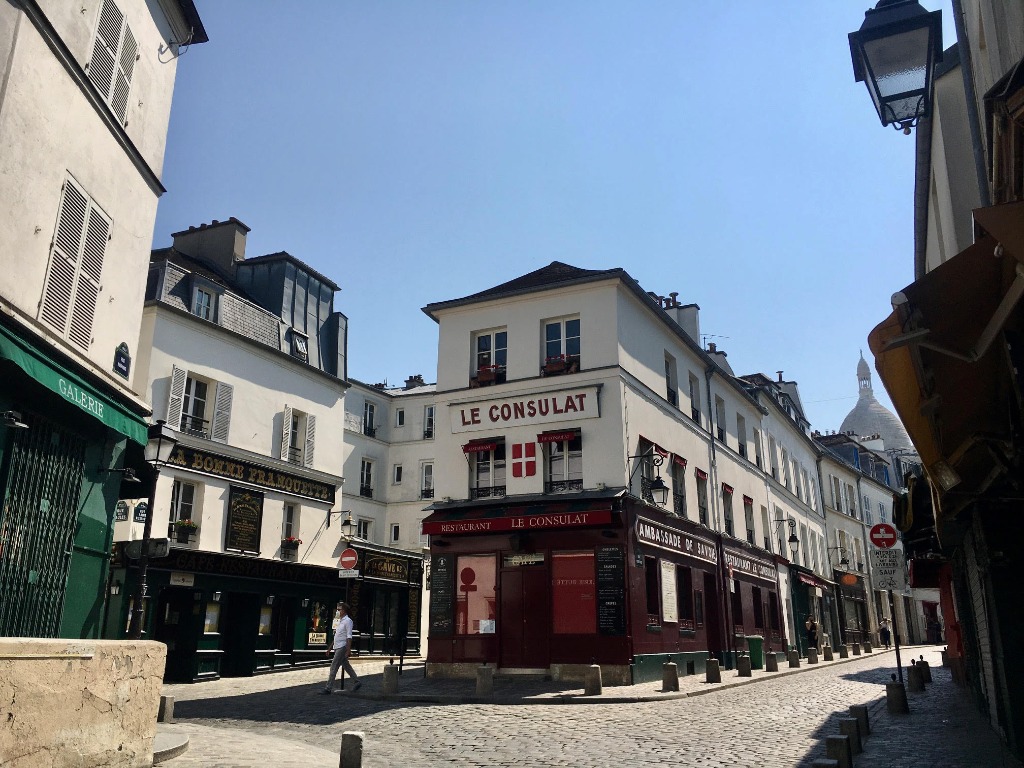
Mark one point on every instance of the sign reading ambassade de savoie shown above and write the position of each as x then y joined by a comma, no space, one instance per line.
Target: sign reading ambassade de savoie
252,474
521,410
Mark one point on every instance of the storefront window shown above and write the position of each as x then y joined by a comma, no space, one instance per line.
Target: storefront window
758,608
474,603
266,612
698,607
573,603
212,622
684,596
737,604
653,592
773,611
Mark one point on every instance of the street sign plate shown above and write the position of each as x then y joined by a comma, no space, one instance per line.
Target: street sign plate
883,535
888,570
349,558
349,574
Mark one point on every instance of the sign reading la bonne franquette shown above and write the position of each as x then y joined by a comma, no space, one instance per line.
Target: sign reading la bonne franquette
522,410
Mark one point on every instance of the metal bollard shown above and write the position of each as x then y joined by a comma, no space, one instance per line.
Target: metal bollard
743,666
867,647
352,749
712,672
771,662
484,681
390,685
826,653
896,699
945,657
812,655
794,659
838,748
860,711
592,681
926,669
669,676
848,726
915,679
166,712
856,649
844,652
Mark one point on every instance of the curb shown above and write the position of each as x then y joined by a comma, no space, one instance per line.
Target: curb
579,698
168,744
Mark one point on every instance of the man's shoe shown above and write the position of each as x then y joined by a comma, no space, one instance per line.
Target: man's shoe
326,692
357,686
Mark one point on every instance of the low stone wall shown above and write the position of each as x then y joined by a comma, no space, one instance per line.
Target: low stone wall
79,703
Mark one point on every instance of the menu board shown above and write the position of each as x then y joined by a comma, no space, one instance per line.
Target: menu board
442,594
611,591
245,516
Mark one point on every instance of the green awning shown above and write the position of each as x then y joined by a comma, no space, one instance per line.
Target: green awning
36,363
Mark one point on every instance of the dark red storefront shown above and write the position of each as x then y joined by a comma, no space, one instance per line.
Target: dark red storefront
558,584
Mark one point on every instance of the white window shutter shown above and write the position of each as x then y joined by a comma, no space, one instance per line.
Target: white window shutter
286,432
307,455
66,248
177,393
123,78
222,412
104,50
87,288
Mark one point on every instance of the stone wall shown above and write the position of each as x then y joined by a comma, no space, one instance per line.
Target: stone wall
78,703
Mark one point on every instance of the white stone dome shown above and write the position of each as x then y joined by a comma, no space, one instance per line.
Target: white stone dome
869,417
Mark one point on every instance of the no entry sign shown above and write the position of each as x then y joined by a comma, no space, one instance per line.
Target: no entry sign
349,558
882,535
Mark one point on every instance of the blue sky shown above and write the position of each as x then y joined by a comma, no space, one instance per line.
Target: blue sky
421,151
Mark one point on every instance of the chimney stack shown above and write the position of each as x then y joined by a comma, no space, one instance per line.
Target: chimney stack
414,381
221,243
780,376
687,317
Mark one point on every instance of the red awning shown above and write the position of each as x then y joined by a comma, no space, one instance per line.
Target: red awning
701,473
726,488
678,460
748,500
557,437
480,447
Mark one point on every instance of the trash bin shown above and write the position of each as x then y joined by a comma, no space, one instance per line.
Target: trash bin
755,644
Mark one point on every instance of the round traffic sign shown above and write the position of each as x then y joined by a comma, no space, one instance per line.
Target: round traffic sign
349,558
883,535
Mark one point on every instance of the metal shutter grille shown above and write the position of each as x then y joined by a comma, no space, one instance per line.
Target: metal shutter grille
67,240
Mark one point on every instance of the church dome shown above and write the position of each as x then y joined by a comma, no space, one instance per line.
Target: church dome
869,417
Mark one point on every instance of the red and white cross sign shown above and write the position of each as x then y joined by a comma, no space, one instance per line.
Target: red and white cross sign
883,535
524,459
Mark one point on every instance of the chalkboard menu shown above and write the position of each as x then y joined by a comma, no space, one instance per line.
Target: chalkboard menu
611,591
442,594
245,516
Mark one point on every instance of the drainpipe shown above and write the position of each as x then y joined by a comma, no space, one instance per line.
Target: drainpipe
729,638
967,69
712,455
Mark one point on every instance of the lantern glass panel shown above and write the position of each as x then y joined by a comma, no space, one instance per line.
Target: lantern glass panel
898,68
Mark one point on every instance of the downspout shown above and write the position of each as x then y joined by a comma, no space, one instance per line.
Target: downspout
967,69
729,638
837,595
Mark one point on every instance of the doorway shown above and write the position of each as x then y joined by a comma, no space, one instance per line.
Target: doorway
713,616
239,631
175,626
524,618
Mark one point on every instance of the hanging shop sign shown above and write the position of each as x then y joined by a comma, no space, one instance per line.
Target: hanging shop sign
245,518
252,474
744,563
648,532
385,567
543,408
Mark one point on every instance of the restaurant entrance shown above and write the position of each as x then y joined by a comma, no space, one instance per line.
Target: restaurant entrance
523,617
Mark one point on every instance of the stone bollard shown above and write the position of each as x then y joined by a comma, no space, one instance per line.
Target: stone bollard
844,652
926,669
352,749
794,659
592,681
826,653
867,647
166,712
669,676
390,685
856,649
896,699
838,748
712,672
945,657
484,681
860,711
915,679
743,666
812,655
771,662
848,726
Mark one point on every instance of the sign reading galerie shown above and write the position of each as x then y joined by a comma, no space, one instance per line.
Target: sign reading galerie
519,410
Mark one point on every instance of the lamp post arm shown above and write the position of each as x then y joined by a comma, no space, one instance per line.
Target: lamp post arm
135,627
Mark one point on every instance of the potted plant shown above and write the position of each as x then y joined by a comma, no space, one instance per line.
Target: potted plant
184,530
554,364
290,542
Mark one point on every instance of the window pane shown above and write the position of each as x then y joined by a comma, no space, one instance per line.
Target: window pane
474,603
501,348
573,603
572,337
553,332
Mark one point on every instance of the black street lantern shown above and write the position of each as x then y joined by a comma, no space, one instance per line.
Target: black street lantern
894,52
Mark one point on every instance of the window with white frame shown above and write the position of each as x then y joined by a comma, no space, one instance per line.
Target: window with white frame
702,497
564,464
298,437
741,435
748,518
671,380
364,529
490,356
112,64
395,532
785,468
290,523
183,499
400,417
730,527
198,406
300,346
366,478
758,460
851,496
694,385
369,419
773,457
487,471
427,480
396,474
678,475
72,285
562,345
202,303
720,418
428,422
193,407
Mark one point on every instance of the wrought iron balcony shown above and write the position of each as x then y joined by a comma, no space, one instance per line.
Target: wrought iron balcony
673,397
369,430
561,486
294,456
679,504
702,515
366,491
195,426
487,492
428,434
426,493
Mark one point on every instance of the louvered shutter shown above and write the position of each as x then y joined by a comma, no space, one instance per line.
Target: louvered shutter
87,287
286,432
104,49
177,394
123,78
307,455
222,412
59,288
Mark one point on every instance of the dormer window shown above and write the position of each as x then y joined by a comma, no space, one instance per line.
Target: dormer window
300,346
204,298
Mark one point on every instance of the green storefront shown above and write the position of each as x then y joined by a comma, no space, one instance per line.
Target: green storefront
62,431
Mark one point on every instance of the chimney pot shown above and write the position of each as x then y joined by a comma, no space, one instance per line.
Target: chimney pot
780,376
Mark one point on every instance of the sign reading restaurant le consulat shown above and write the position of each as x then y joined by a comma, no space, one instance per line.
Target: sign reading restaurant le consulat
252,474
522,410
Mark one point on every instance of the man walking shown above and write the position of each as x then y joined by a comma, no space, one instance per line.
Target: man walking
342,646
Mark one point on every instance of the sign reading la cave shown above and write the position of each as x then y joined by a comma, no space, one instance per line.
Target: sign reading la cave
541,408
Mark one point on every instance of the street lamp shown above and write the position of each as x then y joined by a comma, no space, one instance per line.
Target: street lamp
894,53
844,561
346,528
656,488
794,544
159,447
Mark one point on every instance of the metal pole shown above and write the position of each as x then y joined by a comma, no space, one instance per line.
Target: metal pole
135,628
896,638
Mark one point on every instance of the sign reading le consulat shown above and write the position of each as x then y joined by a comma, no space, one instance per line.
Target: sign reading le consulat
253,474
539,408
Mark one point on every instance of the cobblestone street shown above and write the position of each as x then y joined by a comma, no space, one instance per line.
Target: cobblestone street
280,720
